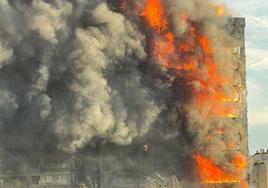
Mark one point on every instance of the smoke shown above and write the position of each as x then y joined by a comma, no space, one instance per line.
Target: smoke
203,122
73,72
109,99
190,44
8,104
70,70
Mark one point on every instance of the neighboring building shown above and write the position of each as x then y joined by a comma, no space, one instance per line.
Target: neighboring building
56,171
259,169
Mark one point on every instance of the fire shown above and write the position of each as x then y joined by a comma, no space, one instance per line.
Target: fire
191,60
220,11
205,44
244,184
231,116
231,146
239,161
212,174
154,13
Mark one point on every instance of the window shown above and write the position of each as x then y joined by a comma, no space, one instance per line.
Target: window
237,80
35,180
48,179
55,178
64,179
237,50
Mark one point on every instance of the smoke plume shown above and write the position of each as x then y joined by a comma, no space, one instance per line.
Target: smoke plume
71,69
73,72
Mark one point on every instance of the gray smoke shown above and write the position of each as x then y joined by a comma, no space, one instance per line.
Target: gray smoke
70,70
76,71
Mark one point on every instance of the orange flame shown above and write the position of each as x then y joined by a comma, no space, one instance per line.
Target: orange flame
220,11
244,184
231,146
154,14
212,174
179,55
239,161
192,59
205,44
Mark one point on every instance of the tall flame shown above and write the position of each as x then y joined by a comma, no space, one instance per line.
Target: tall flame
239,161
165,50
212,174
154,14
191,59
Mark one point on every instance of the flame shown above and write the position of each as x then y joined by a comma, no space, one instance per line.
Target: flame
220,11
239,161
191,60
212,174
244,184
231,146
231,116
230,99
205,45
154,14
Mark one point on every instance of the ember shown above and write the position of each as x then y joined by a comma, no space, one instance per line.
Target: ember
146,147
220,10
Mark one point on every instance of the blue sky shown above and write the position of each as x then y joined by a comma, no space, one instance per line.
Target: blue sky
256,13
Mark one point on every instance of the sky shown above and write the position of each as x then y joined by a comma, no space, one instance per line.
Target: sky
256,14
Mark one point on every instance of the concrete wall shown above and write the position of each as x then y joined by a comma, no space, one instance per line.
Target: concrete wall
259,170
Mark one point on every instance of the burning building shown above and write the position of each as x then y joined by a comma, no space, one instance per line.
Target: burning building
120,90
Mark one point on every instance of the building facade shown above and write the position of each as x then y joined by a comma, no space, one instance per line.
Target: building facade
110,166
238,33
55,171
259,169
